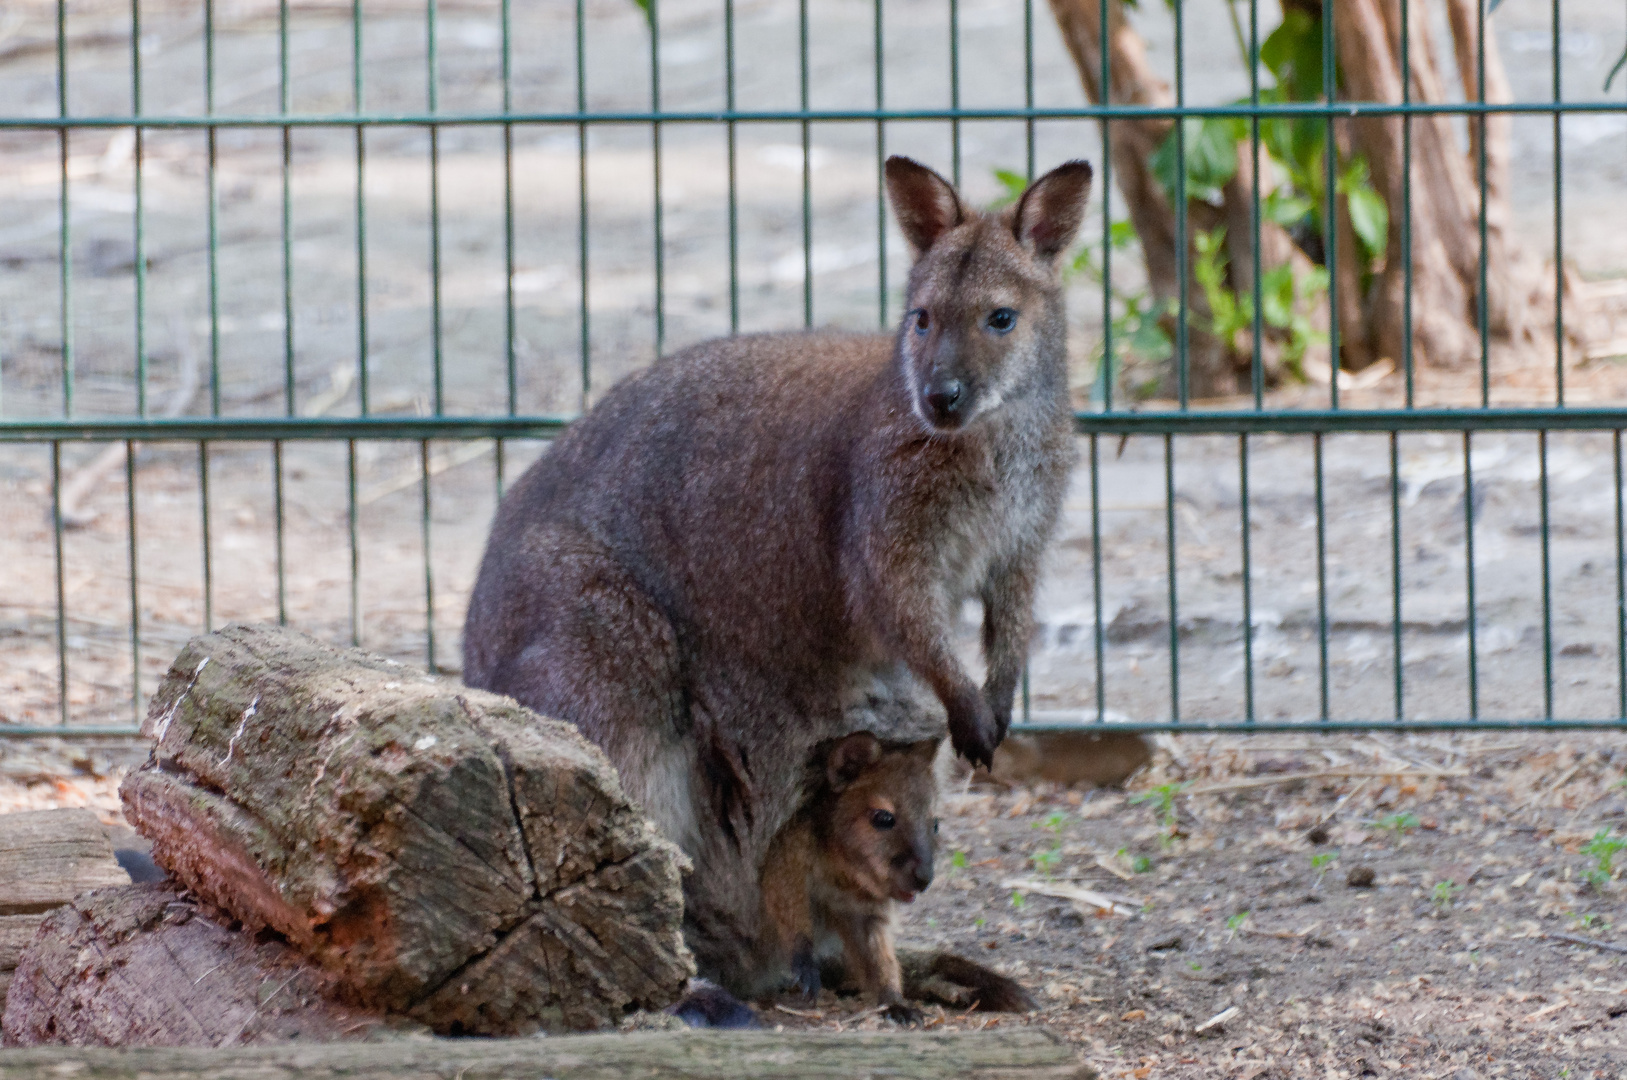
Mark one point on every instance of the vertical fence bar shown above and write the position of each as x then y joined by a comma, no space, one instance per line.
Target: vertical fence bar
1174,611
280,532
135,587
212,184
881,167
1468,570
1395,573
208,560
731,137
357,95
1256,360
1483,299
1321,579
60,568
1547,583
429,573
511,368
1028,84
1100,635
1330,229
1183,242
352,514
140,218
654,11
64,219
1406,203
1109,360
807,166
954,89
1559,223
436,342
582,200
1248,577
1621,580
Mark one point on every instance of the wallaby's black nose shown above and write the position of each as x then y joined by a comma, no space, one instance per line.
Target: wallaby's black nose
944,398
922,877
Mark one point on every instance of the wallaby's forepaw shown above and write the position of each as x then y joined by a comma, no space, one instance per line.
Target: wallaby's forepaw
903,1014
973,729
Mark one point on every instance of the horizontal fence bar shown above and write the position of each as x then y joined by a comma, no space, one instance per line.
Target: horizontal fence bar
1051,723
1195,422
1288,110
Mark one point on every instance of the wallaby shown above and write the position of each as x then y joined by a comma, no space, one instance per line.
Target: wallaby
701,570
861,844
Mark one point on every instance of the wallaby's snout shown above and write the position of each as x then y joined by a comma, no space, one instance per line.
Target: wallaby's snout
943,398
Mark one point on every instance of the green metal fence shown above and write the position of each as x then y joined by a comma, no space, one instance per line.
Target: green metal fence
47,424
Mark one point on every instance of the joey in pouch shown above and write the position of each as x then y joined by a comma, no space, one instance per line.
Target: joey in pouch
703,571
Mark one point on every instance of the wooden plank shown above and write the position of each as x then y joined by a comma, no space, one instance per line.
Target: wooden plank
16,931
1017,1054
47,857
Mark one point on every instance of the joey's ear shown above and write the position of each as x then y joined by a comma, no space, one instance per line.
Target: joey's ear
850,757
1050,211
924,202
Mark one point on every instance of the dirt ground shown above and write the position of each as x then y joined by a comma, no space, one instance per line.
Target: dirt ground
1479,948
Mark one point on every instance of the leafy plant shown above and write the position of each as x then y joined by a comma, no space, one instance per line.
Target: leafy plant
1162,798
1398,825
1018,899
1321,863
1602,850
957,861
1444,893
1012,185
1235,923
1046,860
1139,863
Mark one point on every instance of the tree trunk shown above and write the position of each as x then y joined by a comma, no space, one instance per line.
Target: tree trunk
1001,1054
1215,368
47,857
141,966
443,852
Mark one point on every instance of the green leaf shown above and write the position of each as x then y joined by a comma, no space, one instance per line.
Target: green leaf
649,13
1211,156
1369,215
1121,234
1277,296
1284,207
1293,53
1014,184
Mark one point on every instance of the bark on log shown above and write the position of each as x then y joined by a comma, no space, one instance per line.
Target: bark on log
1016,1054
444,852
141,966
47,857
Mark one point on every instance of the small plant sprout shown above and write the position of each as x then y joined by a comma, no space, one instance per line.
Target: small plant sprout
1235,923
1018,899
1398,825
1602,850
1321,863
1046,860
1162,799
1585,922
957,861
1444,893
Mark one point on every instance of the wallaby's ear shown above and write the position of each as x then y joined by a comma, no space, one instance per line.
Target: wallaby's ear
850,757
925,203
1050,211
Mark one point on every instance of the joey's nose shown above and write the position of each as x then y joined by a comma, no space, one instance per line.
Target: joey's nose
922,877
944,399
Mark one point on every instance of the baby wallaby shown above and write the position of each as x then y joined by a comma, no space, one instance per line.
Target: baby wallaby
862,843
722,561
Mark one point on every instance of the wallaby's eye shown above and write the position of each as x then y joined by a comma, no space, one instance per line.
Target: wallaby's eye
934,826
882,819
921,321
1002,320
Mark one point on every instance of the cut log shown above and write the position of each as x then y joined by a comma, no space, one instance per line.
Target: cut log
139,965
443,852
47,857
1017,1054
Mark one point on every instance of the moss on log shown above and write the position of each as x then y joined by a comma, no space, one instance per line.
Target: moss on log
1019,1054
443,852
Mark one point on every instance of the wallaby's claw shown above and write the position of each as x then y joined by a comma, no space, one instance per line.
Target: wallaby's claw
903,1014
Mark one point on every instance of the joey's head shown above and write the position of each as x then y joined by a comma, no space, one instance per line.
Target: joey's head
984,323
876,819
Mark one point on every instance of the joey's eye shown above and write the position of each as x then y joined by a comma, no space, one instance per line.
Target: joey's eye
882,819
934,826
1002,320
922,322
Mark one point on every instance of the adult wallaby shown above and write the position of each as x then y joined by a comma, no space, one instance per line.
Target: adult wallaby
700,571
